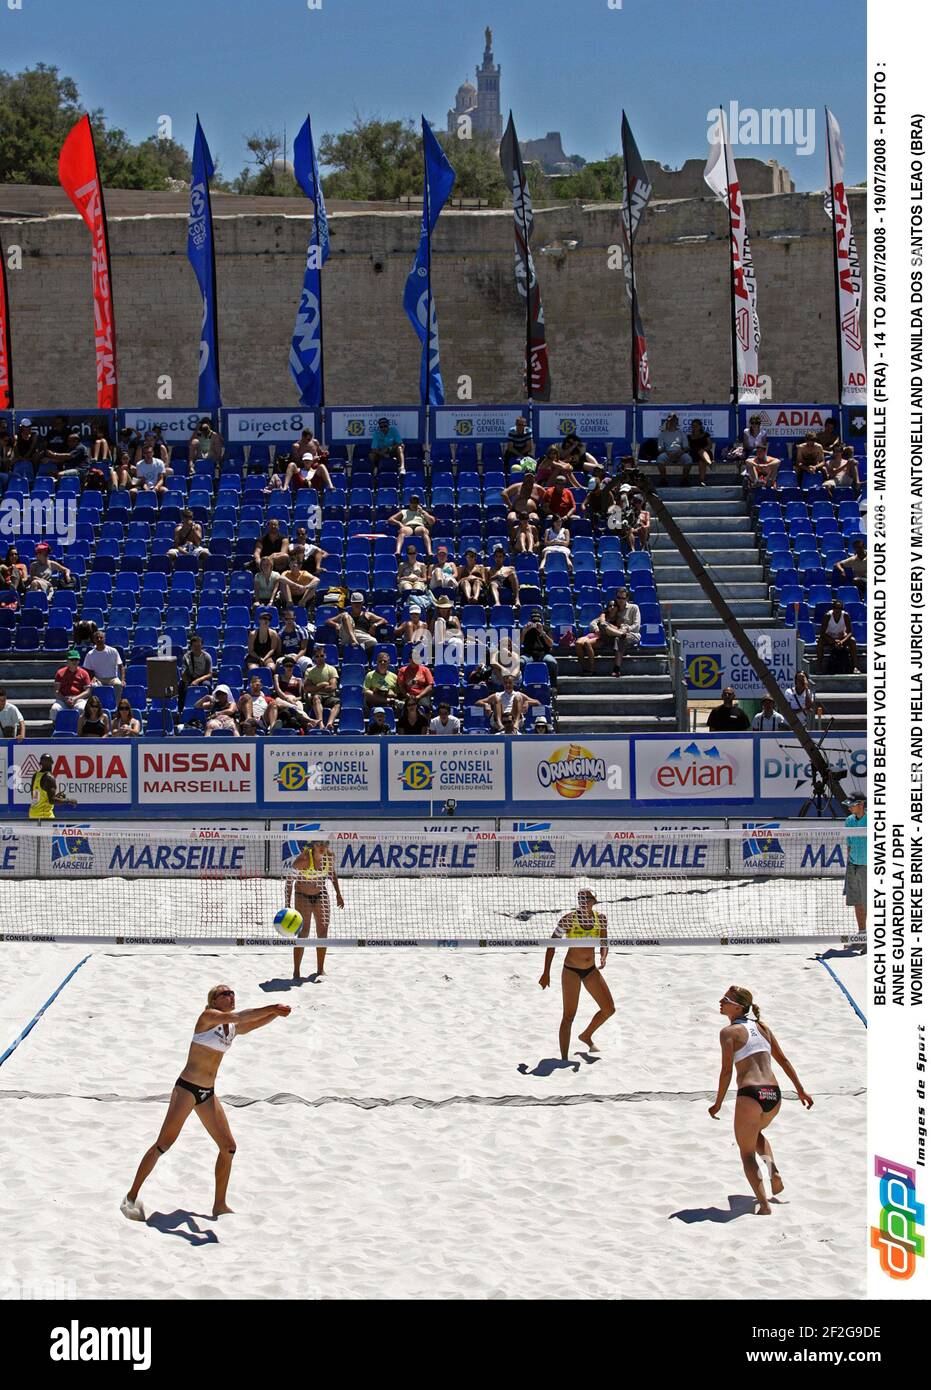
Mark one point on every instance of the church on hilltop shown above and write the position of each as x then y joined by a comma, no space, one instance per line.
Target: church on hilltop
482,104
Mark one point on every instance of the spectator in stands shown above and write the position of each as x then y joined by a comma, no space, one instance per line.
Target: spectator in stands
700,452
519,443
444,576
413,722
541,724
809,458
753,436
415,680
387,442
272,543
762,468
523,503
444,722
556,541
294,639
616,630
267,586
27,447
448,636
768,720
357,626
309,472
104,664
15,573
499,574
412,577
599,500
299,584
47,574
852,569
122,466
264,646
100,447
672,446
256,710
508,701
149,474
289,693
728,717
124,723
130,440
221,712
196,667
188,537
558,501
307,444
554,471
378,724
639,520
573,452
94,722
380,686
841,468
415,628
72,458
837,646
321,691
205,443
6,447
413,520
12,724
801,697
828,436
536,644
472,577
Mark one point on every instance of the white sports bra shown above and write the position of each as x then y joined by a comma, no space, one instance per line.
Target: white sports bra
219,1039
756,1042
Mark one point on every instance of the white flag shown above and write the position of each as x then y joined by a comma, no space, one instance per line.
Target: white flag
721,178
847,278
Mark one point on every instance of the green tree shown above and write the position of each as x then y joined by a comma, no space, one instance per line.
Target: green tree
272,174
37,109
598,182
376,160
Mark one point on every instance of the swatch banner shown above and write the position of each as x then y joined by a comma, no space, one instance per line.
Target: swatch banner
848,280
79,177
419,304
636,194
538,367
306,359
6,355
200,253
721,178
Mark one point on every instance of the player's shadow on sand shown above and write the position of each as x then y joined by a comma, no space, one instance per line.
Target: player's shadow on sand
168,1222
283,986
738,1206
547,1065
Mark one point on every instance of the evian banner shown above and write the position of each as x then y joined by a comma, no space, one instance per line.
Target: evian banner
694,769
98,776
79,177
848,282
721,178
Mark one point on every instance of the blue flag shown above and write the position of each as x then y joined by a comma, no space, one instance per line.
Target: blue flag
200,254
307,344
438,179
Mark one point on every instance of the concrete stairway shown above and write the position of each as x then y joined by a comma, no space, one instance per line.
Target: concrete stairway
843,698
30,685
641,700
716,522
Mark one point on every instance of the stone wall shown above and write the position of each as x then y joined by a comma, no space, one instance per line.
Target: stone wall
371,352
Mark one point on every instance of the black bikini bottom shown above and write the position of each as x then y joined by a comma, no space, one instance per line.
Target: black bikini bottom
201,1094
578,970
767,1097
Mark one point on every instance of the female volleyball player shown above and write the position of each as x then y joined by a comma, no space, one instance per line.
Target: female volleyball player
214,1032
751,1047
314,867
579,969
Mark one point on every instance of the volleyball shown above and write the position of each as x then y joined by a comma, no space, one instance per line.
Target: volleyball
288,922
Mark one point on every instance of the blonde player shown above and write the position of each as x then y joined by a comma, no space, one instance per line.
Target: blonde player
579,969
313,868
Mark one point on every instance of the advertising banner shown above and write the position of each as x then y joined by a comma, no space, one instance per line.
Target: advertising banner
335,770
69,850
589,422
355,424
694,769
392,851
627,850
785,768
479,422
188,774
18,853
569,769
92,775
266,426
763,851
713,660
62,422
442,769
718,420
786,424
177,426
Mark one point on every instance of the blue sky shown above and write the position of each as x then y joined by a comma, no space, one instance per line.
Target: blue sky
567,65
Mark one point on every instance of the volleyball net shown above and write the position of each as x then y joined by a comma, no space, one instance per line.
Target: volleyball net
212,885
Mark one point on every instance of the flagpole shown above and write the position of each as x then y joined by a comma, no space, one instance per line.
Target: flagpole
634,373
7,330
735,382
838,345
316,174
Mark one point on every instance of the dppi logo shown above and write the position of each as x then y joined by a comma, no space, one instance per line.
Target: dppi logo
571,771
293,777
416,776
463,427
896,1237
704,671
567,427
355,427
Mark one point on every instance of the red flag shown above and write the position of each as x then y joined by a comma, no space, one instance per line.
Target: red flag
6,366
79,177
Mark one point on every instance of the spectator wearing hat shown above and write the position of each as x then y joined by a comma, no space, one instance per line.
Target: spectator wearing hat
416,628
357,626
600,498
378,724
380,685
728,717
448,636
444,576
519,443
222,712
444,722
309,471
386,442
541,724
413,520
188,537
104,664
321,691
536,644
289,692
27,446
12,724
72,683
46,574
855,884
768,720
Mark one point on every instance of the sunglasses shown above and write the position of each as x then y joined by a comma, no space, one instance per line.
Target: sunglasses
222,993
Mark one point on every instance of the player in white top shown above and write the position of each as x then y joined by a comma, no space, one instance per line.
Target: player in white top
217,1026
751,1047
579,968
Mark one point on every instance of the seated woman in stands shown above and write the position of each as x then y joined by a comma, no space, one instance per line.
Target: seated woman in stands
472,577
14,573
700,452
94,722
264,644
556,541
413,578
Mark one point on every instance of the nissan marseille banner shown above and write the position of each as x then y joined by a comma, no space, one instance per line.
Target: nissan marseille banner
266,426
694,769
91,775
721,178
446,769
79,177
452,422
356,424
321,770
848,282
568,770
188,774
